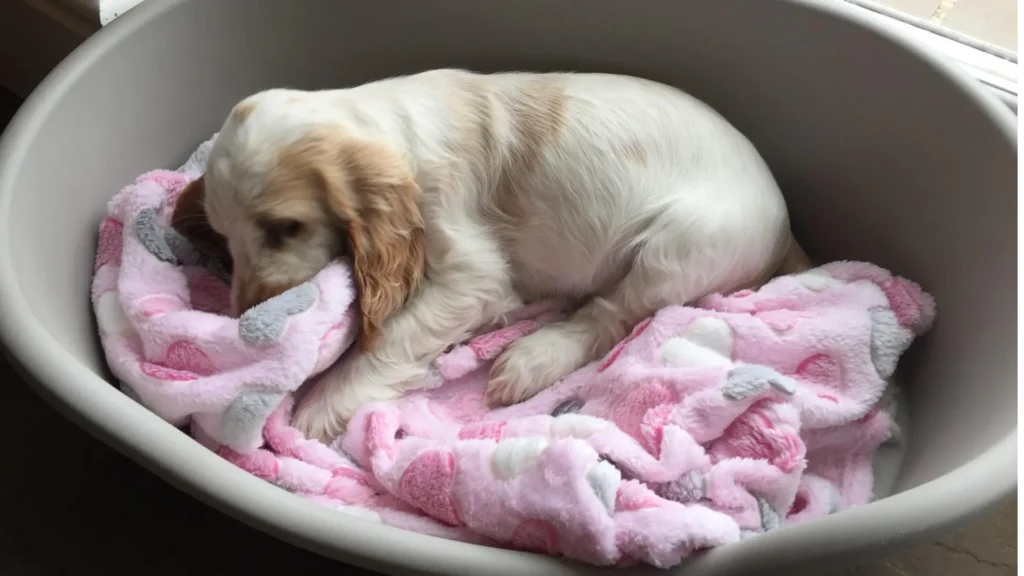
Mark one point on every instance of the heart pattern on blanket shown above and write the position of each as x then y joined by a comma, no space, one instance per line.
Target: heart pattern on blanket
427,484
152,236
158,372
628,414
634,495
706,341
242,422
110,316
160,304
747,380
184,355
705,425
821,369
183,361
535,535
111,242
266,322
172,182
621,347
783,320
207,292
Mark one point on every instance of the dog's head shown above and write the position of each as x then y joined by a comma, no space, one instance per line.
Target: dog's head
289,188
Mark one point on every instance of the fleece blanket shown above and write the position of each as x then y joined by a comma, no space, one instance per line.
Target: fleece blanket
706,425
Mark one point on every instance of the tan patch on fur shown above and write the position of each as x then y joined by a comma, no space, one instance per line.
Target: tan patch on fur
537,112
243,110
635,152
476,145
475,118
366,190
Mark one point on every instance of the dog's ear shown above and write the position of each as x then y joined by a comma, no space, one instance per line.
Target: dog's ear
189,219
374,199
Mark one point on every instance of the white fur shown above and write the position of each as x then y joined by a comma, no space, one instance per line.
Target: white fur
700,213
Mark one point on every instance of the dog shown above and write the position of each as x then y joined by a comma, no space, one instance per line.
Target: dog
461,196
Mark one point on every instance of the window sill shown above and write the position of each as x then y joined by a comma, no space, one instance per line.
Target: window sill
994,67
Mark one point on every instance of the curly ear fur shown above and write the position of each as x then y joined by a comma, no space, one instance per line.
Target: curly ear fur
375,200
190,220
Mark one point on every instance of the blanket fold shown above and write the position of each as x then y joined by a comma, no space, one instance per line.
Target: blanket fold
706,425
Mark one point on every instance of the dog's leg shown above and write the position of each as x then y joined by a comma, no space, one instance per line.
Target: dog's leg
538,360
666,271
438,315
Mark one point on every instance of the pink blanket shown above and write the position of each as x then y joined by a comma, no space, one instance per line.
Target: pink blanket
706,425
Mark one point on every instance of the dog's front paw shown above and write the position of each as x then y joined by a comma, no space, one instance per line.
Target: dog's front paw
532,364
318,418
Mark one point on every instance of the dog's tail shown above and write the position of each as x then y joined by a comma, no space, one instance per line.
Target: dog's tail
794,260
789,258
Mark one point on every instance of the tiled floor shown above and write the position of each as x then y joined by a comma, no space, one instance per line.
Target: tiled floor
992,21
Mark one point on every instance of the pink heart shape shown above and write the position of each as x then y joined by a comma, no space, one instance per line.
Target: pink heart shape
754,435
184,355
164,373
820,369
108,250
782,320
621,347
170,181
905,300
207,293
536,535
633,495
183,362
489,430
427,484
490,345
629,412
330,342
159,305
653,427
261,463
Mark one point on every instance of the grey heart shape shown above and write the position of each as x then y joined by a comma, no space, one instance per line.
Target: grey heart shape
686,489
187,255
245,416
570,406
171,247
266,322
152,236
748,380
770,518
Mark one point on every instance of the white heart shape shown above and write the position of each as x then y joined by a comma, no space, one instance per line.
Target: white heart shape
110,316
711,333
604,480
682,353
577,426
707,341
818,280
514,456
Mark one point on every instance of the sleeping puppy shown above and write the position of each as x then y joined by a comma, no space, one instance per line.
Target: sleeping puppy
459,197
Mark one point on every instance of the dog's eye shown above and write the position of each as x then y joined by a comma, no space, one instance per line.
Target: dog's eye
279,231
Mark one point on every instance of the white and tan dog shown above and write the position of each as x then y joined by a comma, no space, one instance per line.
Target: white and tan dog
461,196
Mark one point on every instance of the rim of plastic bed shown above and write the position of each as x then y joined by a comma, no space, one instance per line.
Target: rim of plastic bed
118,421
